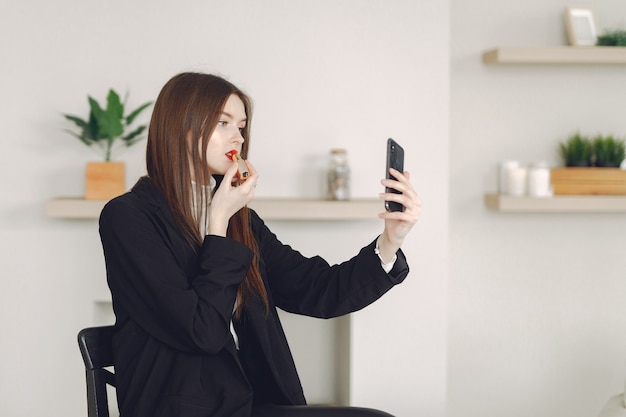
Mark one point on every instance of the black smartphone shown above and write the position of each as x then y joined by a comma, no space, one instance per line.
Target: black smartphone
395,160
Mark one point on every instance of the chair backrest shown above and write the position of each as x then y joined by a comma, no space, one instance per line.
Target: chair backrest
96,347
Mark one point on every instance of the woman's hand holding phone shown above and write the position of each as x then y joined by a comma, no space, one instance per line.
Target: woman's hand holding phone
399,193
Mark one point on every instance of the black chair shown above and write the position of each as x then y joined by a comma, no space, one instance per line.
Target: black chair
95,346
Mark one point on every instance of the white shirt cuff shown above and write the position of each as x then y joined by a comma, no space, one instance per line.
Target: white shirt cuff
386,266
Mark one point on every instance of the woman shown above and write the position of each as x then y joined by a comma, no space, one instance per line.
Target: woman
196,276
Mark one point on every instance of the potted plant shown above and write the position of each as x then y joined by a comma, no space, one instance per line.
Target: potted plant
608,151
612,38
579,177
107,129
577,151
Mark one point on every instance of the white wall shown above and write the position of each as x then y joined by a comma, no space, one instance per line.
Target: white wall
537,323
322,73
533,313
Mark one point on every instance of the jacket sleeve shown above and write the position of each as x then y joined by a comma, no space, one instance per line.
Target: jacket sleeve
151,285
312,287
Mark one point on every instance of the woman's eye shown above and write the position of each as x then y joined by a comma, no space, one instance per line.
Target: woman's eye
242,129
222,123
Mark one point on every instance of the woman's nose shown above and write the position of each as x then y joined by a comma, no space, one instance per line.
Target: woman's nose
237,136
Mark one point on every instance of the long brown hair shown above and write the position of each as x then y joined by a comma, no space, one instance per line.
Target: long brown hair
189,105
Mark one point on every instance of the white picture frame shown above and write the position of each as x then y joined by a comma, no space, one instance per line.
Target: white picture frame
581,26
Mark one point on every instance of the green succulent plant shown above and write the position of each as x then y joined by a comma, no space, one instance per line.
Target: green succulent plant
608,151
612,38
576,151
107,127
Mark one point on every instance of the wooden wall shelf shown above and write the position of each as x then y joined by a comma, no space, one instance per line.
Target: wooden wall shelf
556,55
268,209
557,204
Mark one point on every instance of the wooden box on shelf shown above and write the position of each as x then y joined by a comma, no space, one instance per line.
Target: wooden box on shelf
104,180
588,181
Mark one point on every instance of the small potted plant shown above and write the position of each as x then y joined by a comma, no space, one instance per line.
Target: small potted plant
608,151
579,176
577,151
612,38
107,129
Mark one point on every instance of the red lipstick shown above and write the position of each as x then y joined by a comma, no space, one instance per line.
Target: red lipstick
242,170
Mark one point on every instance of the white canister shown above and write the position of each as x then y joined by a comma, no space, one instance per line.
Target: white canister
539,180
516,181
503,177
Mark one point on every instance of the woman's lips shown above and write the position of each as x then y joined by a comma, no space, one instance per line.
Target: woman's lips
232,154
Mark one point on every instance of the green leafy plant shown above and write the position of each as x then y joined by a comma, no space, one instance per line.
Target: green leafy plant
576,151
612,38
107,127
608,151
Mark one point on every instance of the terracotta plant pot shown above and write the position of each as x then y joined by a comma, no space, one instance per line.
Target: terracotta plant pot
104,180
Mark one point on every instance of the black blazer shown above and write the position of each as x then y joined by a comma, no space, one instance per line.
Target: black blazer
174,352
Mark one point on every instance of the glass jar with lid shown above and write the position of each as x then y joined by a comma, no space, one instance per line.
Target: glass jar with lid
338,175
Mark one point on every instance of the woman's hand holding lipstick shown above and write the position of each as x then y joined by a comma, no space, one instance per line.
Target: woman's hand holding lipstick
235,192
242,168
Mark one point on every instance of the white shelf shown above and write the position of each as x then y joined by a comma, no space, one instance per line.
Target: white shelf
557,204
73,208
309,209
556,55
268,209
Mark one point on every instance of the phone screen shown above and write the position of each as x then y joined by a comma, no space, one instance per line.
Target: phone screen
395,159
